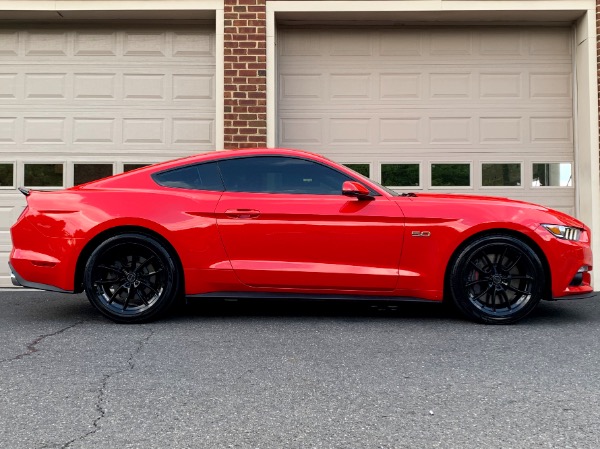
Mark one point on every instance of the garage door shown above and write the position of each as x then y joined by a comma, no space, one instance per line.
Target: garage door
451,109
84,102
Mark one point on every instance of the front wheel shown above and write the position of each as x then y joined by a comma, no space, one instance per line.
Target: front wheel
497,279
131,278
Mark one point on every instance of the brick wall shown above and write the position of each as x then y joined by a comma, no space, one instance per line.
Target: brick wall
245,73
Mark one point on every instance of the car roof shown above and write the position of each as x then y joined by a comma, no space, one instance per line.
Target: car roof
248,152
117,180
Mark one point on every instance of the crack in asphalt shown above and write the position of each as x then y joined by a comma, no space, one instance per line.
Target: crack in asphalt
101,397
32,346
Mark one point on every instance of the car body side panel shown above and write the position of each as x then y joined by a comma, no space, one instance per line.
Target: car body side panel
61,225
317,242
436,226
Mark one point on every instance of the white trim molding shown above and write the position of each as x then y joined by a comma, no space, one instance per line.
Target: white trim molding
104,5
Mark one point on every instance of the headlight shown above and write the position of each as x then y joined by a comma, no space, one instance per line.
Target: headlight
564,232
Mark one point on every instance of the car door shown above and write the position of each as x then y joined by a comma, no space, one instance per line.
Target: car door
285,224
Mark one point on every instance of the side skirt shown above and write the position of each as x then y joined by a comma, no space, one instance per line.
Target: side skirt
308,296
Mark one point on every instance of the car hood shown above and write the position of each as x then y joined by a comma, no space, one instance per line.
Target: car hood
488,208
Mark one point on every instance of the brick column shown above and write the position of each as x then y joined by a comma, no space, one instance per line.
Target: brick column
245,74
598,45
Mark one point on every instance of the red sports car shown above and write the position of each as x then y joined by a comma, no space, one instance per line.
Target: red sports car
290,224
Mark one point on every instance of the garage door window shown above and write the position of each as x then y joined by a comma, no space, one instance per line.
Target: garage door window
501,175
44,175
7,175
400,175
363,169
129,167
450,175
83,173
553,174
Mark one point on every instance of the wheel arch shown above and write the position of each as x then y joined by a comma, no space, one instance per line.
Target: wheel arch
123,229
499,231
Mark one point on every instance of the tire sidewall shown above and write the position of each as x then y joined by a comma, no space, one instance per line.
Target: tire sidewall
459,268
167,296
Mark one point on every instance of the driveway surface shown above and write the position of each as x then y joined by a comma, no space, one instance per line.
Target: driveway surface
296,375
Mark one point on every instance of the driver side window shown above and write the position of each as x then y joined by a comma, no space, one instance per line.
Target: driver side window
277,174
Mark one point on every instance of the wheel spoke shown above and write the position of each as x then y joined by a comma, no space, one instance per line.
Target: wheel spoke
524,277
513,264
147,285
506,301
126,263
478,281
143,264
516,290
147,275
488,261
500,258
114,295
109,281
475,298
130,294
143,298
492,299
478,268
489,298
113,269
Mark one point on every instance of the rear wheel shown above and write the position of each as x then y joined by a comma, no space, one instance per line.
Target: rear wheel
497,279
131,278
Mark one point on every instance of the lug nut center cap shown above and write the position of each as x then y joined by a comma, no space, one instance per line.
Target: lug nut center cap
497,279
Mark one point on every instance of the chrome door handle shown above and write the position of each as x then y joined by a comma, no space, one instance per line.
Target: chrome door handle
242,213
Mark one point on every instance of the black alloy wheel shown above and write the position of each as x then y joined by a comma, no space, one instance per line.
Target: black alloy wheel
497,279
131,278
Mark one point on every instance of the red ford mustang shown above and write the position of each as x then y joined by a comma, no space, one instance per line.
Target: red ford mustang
284,223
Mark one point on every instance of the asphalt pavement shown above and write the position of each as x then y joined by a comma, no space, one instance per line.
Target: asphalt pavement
285,375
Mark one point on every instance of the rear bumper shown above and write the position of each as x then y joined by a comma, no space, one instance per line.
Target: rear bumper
13,277
37,261
18,281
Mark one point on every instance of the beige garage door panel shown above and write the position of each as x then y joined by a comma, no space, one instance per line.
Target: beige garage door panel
135,94
427,131
110,132
70,90
431,95
446,86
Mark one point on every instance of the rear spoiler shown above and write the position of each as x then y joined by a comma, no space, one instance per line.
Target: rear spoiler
25,191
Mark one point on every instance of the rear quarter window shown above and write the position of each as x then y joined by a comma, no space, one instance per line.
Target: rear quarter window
193,177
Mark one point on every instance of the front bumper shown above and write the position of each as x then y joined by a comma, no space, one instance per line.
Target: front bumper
570,263
576,296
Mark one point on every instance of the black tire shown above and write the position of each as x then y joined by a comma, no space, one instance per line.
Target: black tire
497,279
131,278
